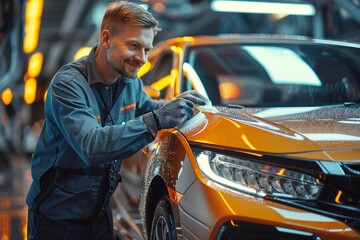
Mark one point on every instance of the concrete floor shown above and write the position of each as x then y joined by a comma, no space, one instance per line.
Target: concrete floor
14,183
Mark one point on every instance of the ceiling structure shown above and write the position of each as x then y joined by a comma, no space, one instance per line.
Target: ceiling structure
67,25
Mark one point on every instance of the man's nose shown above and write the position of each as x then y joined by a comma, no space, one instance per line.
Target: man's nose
141,56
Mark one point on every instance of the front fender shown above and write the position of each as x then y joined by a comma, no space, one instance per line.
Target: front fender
168,171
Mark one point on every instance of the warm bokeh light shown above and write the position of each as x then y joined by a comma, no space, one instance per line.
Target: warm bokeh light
5,230
33,14
188,38
30,90
34,9
144,69
177,50
159,7
35,64
229,90
31,38
7,96
83,51
162,83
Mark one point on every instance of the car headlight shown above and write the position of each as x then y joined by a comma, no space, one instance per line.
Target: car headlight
257,178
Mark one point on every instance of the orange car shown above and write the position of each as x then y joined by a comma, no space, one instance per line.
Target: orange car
275,155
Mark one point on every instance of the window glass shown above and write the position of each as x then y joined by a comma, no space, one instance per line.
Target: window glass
270,74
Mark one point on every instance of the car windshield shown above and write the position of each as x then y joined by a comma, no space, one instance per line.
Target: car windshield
274,74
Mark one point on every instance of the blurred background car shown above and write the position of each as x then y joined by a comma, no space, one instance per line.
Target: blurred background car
276,156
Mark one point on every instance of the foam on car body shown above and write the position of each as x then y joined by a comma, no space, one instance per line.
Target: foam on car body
197,120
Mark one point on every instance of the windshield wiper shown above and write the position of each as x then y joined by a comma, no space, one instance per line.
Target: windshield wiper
351,104
235,106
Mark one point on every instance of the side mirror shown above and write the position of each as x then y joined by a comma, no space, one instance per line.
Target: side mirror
152,92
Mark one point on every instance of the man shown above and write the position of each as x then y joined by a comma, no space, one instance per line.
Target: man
96,113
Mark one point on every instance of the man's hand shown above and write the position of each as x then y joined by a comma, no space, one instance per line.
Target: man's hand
195,97
174,113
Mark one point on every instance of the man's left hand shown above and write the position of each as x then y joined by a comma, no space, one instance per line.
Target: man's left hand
195,97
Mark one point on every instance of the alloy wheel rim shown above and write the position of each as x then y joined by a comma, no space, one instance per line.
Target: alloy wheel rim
162,229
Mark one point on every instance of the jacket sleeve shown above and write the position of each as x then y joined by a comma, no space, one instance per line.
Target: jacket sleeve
68,106
145,105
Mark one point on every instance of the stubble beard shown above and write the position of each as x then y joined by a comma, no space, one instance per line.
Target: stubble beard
127,73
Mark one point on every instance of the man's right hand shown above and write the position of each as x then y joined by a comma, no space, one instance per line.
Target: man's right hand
174,113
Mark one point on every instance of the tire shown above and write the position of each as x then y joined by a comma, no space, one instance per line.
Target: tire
163,225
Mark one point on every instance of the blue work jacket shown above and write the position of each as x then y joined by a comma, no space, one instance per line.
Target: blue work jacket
77,159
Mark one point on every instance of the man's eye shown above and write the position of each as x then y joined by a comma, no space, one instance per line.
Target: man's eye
133,46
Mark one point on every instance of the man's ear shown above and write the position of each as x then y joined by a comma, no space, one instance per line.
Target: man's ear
105,38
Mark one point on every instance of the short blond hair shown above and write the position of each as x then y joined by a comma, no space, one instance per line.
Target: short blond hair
125,12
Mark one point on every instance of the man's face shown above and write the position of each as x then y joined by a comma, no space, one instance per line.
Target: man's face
128,49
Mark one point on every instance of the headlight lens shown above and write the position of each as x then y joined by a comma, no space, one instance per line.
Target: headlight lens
258,178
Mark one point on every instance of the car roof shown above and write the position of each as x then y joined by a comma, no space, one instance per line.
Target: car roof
251,38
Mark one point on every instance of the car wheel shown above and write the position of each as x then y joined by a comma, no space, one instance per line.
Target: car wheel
163,226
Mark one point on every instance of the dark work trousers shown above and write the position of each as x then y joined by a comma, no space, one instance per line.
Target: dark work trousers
41,228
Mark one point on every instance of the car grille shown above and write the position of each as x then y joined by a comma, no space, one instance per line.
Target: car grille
340,198
352,179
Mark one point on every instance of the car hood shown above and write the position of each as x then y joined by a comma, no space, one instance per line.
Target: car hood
328,133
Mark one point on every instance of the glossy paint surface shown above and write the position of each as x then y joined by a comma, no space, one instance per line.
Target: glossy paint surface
284,135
